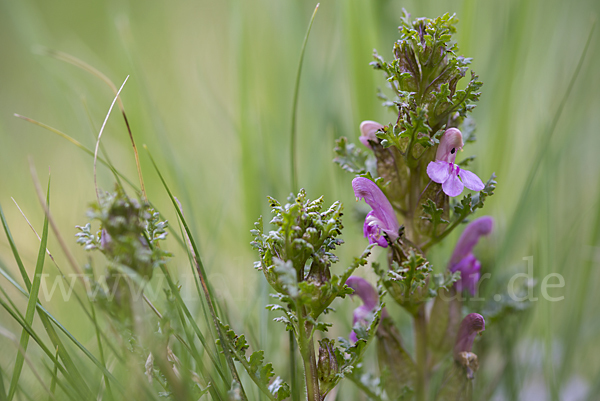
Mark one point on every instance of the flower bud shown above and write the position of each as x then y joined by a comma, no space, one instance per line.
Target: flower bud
367,132
327,365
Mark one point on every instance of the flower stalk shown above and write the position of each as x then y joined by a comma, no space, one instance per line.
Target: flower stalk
412,192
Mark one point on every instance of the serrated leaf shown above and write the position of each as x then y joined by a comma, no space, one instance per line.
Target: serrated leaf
350,157
261,373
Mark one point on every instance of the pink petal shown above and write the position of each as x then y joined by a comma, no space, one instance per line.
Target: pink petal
365,291
367,132
471,180
365,141
453,186
383,212
469,238
471,325
438,171
452,139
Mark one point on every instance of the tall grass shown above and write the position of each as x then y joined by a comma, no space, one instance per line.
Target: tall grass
210,94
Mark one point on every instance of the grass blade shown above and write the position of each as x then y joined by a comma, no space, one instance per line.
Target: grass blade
293,163
80,146
43,312
15,252
67,58
101,160
100,134
33,297
544,146
2,389
54,376
202,274
11,337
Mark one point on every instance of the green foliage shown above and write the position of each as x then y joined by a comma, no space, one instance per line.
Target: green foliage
350,157
469,204
424,75
130,233
87,239
444,281
341,361
262,374
297,256
408,281
434,215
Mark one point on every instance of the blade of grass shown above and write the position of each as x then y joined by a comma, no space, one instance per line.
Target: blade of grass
68,392
31,307
545,141
100,136
102,147
15,252
54,376
43,312
101,352
202,274
77,297
294,184
33,297
106,163
2,389
192,262
23,352
80,146
18,317
293,163
86,67
56,341
191,347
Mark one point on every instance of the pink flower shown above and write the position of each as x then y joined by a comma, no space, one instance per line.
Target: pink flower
463,259
382,219
445,172
369,296
367,132
471,325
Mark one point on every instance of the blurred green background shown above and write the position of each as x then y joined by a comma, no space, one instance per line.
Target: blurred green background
210,93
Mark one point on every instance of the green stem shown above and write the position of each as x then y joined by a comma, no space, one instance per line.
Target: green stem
420,324
307,351
413,200
294,378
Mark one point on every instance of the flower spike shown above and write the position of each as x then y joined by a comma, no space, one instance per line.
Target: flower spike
463,259
382,218
444,171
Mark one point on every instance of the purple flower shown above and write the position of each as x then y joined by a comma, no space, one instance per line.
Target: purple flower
369,296
367,132
382,218
471,325
463,259
445,172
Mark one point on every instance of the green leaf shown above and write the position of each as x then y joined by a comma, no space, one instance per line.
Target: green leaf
488,190
350,157
433,214
261,374
408,282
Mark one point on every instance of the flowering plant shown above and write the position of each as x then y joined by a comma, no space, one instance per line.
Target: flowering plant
410,176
